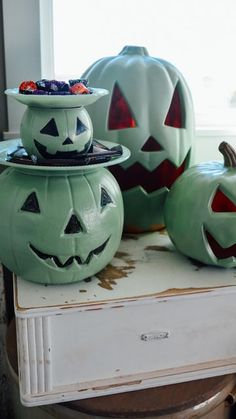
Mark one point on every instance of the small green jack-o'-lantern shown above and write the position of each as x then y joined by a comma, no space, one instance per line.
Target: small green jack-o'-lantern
59,226
56,133
200,211
149,110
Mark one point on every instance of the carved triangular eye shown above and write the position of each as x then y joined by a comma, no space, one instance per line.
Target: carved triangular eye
50,128
175,116
80,127
73,225
120,114
105,198
151,145
31,204
221,203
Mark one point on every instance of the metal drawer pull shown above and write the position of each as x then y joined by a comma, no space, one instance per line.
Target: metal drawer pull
155,335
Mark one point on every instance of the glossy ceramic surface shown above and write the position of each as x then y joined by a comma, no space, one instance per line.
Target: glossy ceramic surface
64,228
57,101
6,147
149,109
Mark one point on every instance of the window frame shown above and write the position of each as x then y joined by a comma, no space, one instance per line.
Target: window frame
25,54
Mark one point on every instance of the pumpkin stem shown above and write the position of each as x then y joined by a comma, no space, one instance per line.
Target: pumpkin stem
133,49
229,154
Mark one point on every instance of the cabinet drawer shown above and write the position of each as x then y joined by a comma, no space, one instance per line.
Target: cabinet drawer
125,347
143,338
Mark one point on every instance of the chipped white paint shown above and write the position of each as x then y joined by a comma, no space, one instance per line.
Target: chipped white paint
150,318
139,270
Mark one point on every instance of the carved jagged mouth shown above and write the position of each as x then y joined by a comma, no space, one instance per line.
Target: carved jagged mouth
59,154
220,252
71,259
163,176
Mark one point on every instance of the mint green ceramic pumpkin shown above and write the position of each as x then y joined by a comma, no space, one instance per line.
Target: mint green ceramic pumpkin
56,133
59,226
149,109
200,211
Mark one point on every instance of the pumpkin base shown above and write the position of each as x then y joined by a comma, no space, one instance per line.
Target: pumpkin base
54,238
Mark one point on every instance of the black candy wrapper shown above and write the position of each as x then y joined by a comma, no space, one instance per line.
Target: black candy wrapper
98,153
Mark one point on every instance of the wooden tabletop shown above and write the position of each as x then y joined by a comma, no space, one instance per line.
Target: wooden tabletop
146,266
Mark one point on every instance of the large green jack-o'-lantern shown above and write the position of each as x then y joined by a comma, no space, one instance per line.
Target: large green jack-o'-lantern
149,109
59,226
60,222
200,211
56,133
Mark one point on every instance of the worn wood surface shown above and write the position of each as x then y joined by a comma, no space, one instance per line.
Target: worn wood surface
145,265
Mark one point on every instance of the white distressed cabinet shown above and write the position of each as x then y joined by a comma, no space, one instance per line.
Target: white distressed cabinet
151,317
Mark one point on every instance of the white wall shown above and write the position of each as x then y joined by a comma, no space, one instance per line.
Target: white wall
22,50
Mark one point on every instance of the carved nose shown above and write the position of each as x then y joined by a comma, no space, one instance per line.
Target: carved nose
151,145
73,225
67,141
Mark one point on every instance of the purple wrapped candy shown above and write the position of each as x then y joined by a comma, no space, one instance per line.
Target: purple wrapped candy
39,92
52,85
28,92
61,85
42,84
75,81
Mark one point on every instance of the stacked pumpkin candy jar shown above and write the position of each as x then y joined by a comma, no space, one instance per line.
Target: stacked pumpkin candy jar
61,210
